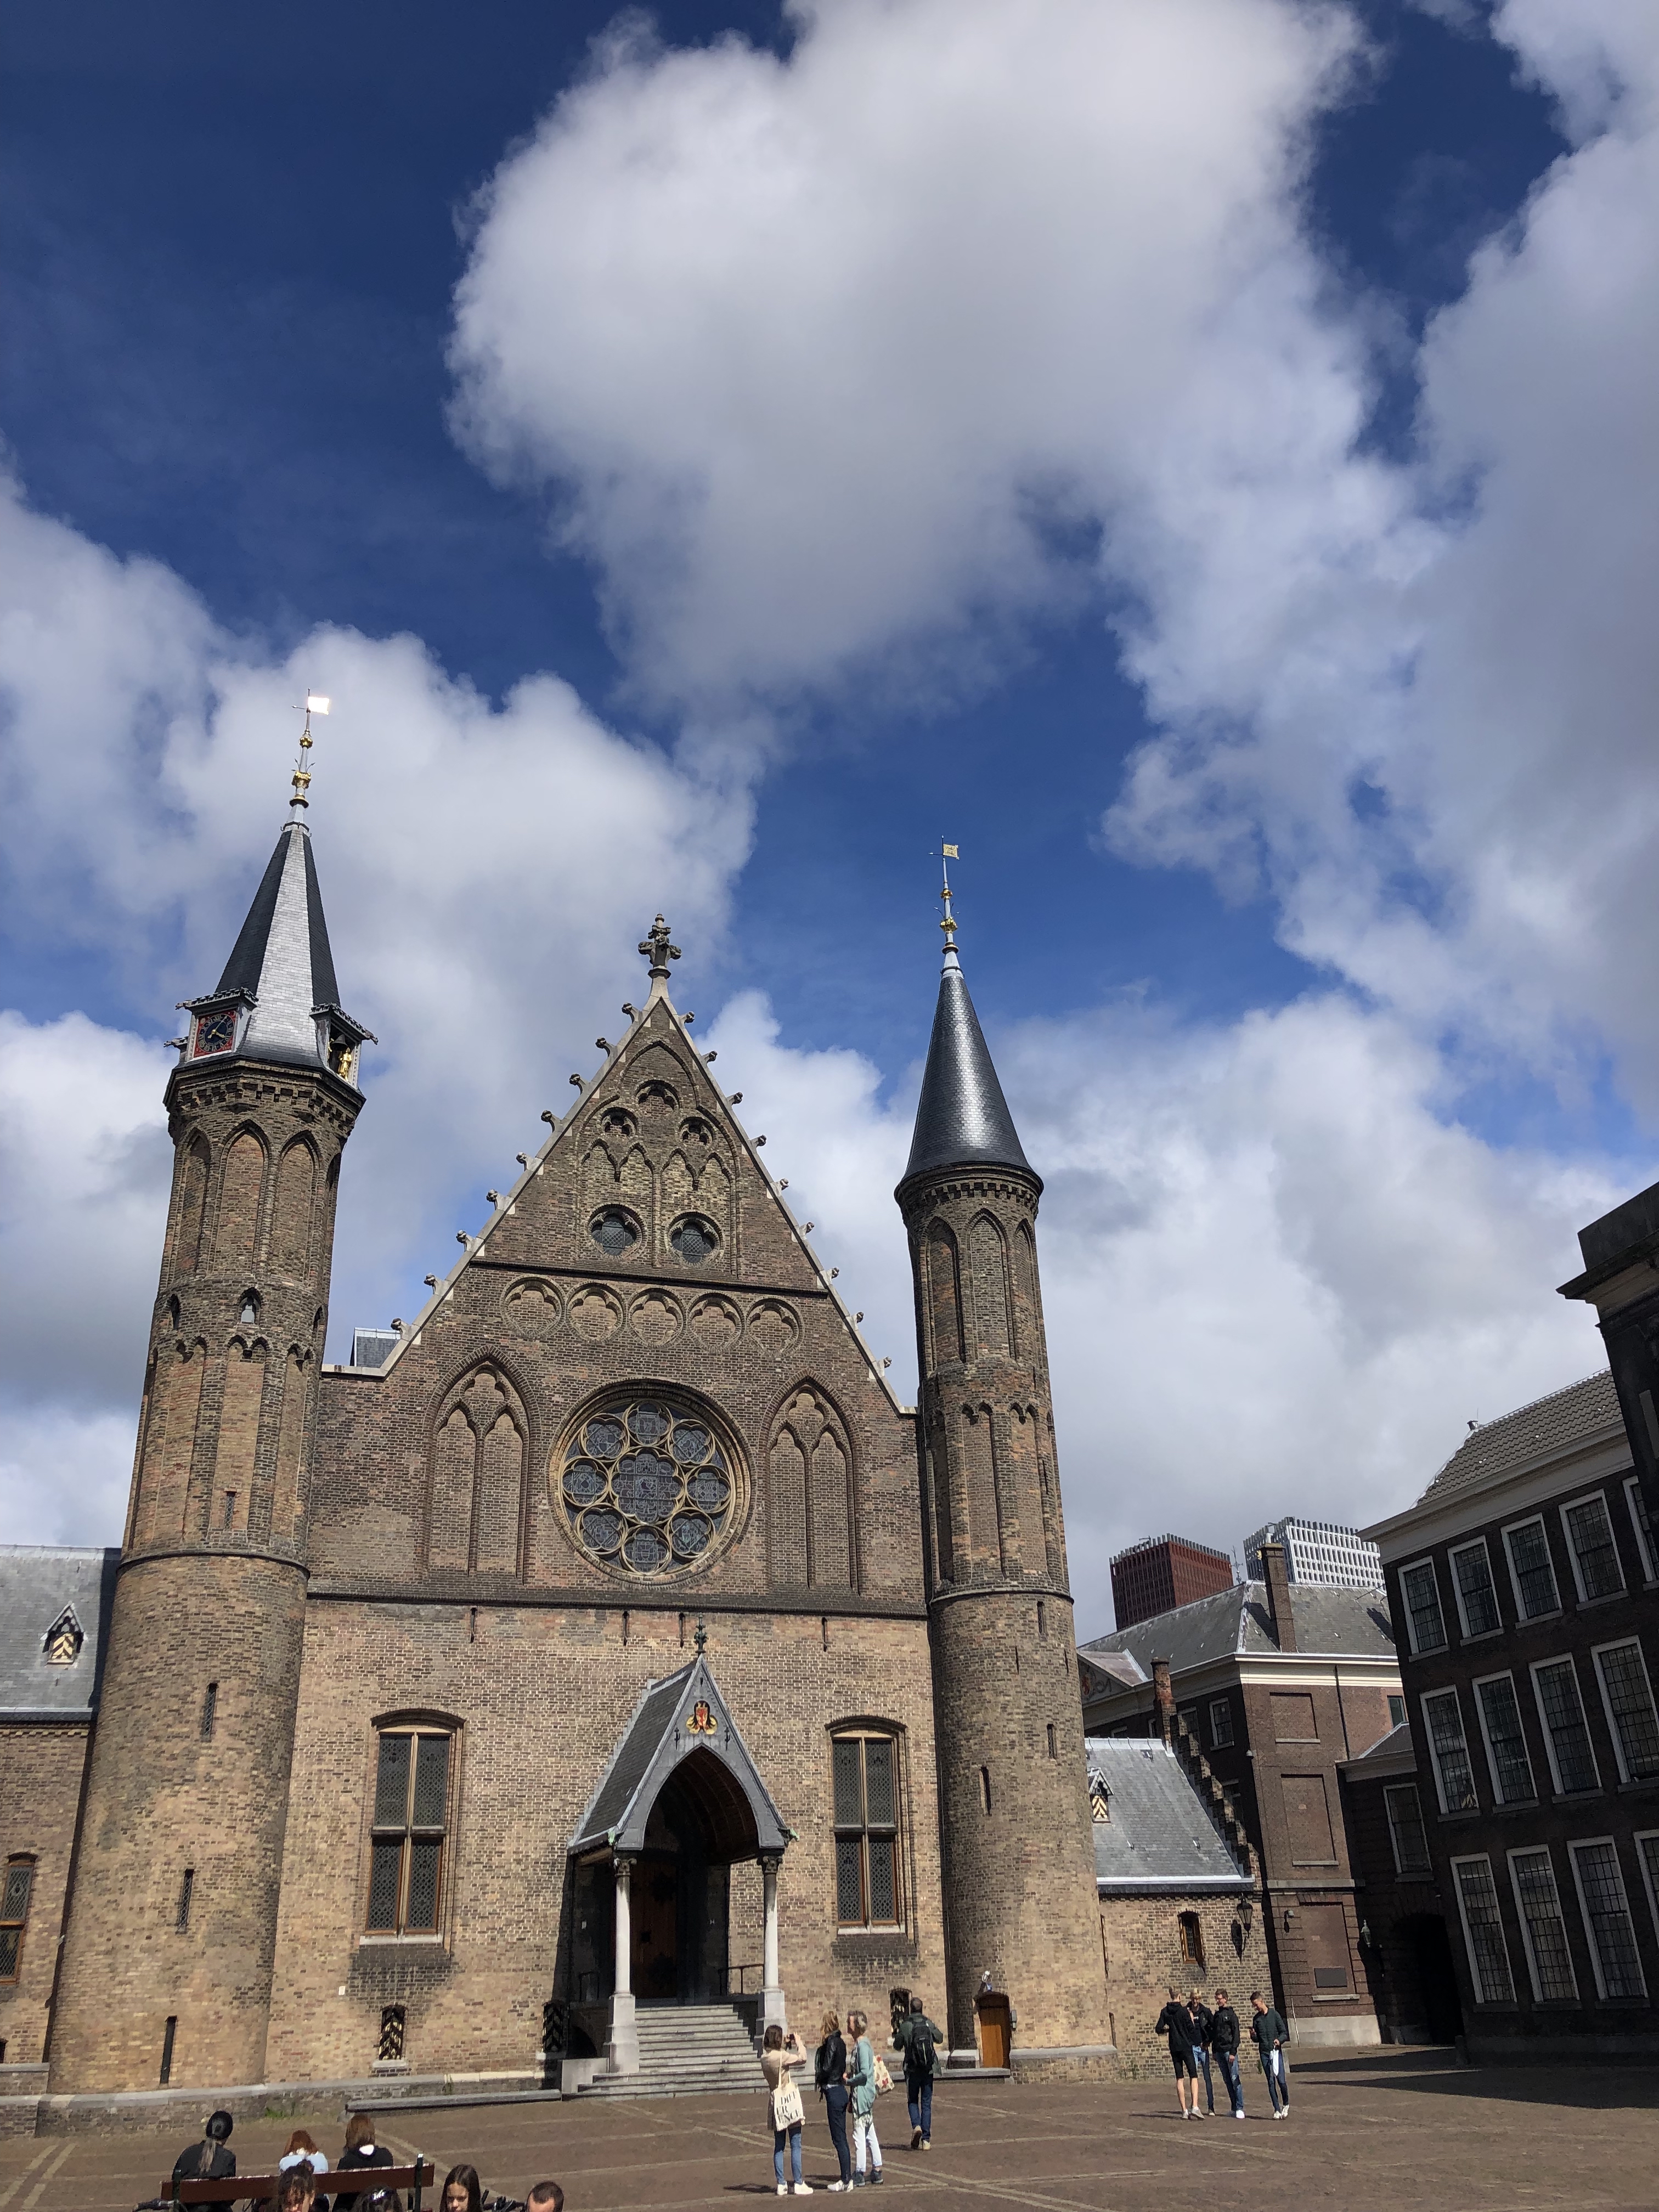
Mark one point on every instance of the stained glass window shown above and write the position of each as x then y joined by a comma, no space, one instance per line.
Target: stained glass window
412,1820
865,1778
14,1915
614,1231
647,1488
693,1239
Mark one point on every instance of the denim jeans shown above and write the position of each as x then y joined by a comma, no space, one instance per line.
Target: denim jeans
1278,2084
792,2138
835,2101
1227,2062
920,2096
1201,2058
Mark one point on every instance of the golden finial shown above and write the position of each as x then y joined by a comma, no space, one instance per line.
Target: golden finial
947,853
316,703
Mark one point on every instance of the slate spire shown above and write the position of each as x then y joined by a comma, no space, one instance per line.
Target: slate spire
961,1118
279,979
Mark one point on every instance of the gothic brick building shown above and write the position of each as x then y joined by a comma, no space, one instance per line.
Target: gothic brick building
619,1642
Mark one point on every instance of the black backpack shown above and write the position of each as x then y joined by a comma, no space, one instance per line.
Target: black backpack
919,2057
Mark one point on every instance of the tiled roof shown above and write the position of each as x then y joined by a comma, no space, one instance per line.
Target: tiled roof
1398,1740
1329,1623
37,1583
682,1724
1578,1415
1160,1834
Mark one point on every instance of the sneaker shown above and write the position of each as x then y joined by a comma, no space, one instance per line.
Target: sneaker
858,2181
835,2185
927,2143
875,2177
783,2189
803,2189
916,2138
1238,2116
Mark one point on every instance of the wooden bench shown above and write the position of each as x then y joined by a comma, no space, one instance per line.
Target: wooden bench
355,2181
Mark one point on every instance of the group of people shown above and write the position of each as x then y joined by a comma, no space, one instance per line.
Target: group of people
1199,2038
848,2076
303,2167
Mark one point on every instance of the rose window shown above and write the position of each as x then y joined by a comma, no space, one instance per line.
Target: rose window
647,1487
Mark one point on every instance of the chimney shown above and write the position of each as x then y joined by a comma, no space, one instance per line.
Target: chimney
1163,1705
1279,1596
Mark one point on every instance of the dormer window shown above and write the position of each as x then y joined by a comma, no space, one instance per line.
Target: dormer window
343,1048
1100,1799
63,1639
216,1031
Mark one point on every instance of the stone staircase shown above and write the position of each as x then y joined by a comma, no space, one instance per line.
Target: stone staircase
686,2051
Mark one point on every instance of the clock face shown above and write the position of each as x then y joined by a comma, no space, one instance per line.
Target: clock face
215,1032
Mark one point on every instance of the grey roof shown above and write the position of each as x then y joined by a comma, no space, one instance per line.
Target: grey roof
1335,1624
37,1583
1578,1415
962,1116
281,962
1395,1745
732,1803
1160,1835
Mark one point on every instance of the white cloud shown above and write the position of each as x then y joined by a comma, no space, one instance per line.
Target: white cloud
831,354
1276,1278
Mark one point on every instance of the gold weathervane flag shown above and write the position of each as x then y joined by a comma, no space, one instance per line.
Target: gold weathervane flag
951,853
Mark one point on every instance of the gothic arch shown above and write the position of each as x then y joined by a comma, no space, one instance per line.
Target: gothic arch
242,1189
1026,1485
812,1520
978,1448
943,1275
987,1273
192,1204
242,1408
170,1442
476,1467
1028,1298
294,1208
286,1503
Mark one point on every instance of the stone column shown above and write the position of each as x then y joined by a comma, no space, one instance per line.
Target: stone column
621,2050
772,2004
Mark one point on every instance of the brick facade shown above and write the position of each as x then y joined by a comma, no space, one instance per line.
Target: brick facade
41,1770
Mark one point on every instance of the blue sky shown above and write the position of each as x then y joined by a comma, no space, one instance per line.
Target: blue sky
1125,454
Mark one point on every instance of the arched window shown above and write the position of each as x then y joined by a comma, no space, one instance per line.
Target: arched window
407,1865
867,1857
1192,1940
15,1898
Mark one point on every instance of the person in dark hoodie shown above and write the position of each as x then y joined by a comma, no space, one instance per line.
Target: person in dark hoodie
829,2072
1202,2017
919,2039
1225,2038
209,2159
1177,2022
1269,2035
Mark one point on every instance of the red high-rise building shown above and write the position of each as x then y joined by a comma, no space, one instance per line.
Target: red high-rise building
1162,1572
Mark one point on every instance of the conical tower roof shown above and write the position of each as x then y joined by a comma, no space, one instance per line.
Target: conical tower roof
281,969
961,1118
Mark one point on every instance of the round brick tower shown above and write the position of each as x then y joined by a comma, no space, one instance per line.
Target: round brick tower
166,1974
1018,1839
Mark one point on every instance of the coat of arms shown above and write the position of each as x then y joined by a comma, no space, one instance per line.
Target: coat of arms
702,1722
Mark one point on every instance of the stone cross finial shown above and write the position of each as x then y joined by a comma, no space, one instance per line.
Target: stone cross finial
657,948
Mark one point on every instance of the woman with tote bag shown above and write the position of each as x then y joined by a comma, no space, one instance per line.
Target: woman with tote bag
779,2055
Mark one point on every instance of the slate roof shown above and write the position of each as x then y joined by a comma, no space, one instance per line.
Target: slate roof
1334,1623
1160,1835
962,1116
1397,1744
1583,1414
37,1583
653,1744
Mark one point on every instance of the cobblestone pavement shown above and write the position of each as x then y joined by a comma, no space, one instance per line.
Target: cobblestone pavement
1393,2130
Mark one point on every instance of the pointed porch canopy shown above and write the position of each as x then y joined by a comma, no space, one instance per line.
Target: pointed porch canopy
681,1730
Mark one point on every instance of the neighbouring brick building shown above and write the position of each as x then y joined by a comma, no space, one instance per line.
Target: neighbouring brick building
1276,1688
1404,1947
1180,1904
1162,1572
1523,1581
617,1641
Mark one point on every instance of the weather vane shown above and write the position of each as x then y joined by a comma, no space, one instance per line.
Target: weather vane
316,703
947,853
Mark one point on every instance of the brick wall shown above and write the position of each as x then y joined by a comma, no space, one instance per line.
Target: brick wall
1141,1948
40,1775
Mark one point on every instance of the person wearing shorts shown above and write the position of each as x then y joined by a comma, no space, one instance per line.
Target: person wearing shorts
1177,2022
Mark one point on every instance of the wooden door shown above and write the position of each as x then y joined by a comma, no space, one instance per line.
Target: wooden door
656,1930
995,2030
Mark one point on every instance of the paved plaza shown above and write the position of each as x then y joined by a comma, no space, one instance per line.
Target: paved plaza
1397,2129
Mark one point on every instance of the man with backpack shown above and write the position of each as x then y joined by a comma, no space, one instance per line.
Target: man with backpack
919,2039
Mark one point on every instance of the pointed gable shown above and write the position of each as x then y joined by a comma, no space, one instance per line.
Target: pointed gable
682,1720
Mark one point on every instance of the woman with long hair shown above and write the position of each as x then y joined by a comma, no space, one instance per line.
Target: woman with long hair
462,2190
830,2073
360,2152
779,2055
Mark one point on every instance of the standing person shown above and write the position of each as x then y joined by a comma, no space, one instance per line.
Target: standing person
1269,2035
360,2152
830,2073
1224,2048
862,2081
1177,2022
1202,2017
919,2039
779,2055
